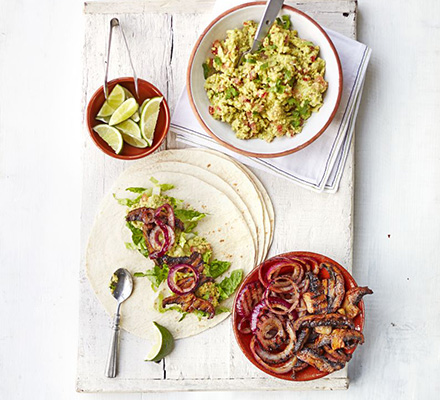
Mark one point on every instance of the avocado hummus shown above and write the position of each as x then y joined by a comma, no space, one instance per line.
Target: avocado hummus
273,91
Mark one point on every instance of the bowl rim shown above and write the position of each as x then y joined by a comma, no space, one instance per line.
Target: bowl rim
227,144
148,150
237,334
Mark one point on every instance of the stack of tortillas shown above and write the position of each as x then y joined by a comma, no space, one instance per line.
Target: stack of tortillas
239,225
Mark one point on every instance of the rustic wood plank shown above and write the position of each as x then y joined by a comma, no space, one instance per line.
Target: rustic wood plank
161,35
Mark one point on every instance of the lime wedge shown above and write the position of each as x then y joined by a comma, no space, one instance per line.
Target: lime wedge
143,105
105,111
135,117
111,136
129,127
114,100
124,111
128,94
103,119
163,346
149,117
134,140
116,97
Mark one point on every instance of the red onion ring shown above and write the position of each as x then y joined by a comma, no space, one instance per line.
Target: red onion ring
270,332
267,265
257,312
282,368
169,213
244,326
173,284
278,357
248,298
278,305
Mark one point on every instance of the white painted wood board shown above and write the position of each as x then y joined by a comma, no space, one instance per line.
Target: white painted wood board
161,35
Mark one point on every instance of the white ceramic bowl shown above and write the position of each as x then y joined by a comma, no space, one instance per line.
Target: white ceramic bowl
307,29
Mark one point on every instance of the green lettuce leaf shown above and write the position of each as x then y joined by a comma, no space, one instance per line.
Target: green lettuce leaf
156,275
216,268
138,239
228,285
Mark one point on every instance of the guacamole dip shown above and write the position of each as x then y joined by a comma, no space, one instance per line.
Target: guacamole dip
273,91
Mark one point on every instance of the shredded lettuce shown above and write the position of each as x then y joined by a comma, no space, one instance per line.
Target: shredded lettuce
163,187
228,285
221,309
142,190
128,202
156,275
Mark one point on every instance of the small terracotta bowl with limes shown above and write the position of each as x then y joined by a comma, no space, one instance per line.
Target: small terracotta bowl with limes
146,91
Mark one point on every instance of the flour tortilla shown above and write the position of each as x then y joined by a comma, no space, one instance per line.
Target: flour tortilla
223,166
159,165
224,227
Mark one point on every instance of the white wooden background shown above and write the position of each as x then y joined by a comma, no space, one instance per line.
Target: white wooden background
211,360
397,218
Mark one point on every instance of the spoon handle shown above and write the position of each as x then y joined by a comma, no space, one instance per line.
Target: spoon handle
271,11
112,360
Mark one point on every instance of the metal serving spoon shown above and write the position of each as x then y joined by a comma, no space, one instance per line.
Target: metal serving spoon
121,287
271,11
115,22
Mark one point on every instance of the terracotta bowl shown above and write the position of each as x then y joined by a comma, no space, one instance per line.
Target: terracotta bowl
146,90
222,132
243,340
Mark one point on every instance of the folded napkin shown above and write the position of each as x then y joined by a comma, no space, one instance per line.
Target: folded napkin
318,166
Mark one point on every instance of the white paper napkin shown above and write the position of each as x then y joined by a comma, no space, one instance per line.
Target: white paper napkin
320,165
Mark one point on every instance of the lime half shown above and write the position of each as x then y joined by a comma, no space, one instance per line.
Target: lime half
124,111
149,116
111,136
163,346
114,100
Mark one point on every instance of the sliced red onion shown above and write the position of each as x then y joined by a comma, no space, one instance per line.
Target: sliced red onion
278,305
270,332
169,213
248,298
161,245
313,264
272,357
283,284
281,368
293,268
244,326
182,268
257,312
272,262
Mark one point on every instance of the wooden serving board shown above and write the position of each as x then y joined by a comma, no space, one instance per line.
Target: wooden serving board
161,34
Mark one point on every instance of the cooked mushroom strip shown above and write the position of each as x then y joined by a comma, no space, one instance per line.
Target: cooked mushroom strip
320,362
346,338
195,259
320,341
352,298
301,339
338,355
335,288
142,214
334,320
189,302
315,298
